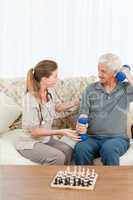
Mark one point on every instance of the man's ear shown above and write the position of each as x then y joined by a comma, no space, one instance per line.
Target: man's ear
115,72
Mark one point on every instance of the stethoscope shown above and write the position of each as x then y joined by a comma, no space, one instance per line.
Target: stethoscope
40,115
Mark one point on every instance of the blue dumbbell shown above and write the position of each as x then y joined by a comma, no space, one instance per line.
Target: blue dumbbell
84,123
120,76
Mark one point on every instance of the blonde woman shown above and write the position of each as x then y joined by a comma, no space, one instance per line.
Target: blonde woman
37,143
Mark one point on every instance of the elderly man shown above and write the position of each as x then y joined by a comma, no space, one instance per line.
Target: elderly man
106,104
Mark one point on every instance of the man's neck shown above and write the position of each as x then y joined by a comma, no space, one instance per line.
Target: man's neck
110,85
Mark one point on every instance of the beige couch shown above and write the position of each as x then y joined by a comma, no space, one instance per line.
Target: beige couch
11,92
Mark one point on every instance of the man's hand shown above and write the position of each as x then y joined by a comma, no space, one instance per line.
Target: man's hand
125,70
81,129
129,77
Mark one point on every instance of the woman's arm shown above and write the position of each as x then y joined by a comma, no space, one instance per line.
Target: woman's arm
38,132
61,107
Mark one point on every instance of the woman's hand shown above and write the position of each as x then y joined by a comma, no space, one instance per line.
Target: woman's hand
69,133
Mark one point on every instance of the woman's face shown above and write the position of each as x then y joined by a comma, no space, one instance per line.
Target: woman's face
50,81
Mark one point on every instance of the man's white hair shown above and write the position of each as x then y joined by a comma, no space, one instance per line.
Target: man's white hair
111,60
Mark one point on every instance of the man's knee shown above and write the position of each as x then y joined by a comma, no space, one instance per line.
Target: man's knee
84,153
110,154
80,148
83,147
108,149
116,146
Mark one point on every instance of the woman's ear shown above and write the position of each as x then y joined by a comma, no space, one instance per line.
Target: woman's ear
43,81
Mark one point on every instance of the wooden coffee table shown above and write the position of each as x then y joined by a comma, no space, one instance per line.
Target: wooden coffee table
33,183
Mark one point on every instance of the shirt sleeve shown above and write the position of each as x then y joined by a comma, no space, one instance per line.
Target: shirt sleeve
84,103
30,115
129,93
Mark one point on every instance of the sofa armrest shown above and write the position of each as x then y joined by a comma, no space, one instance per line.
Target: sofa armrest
8,154
130,121
129,124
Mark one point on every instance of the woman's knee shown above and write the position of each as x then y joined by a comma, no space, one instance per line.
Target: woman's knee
60,158
53,156
38,155
57,158
67,149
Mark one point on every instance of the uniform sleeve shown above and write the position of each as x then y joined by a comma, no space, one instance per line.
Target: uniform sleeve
30,115
84,103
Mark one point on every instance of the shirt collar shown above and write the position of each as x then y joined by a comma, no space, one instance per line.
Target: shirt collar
99,86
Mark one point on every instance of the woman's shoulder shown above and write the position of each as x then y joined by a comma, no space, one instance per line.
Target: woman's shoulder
30,99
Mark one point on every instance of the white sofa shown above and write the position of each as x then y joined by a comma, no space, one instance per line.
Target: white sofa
14,89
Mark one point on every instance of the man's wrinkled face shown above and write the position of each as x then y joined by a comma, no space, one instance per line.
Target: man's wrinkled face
104,73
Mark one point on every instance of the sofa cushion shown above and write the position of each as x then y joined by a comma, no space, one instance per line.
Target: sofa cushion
13,88
9,112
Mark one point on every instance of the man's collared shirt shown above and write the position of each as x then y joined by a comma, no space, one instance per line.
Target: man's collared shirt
107,111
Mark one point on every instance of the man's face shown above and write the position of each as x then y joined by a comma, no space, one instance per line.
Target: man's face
105,74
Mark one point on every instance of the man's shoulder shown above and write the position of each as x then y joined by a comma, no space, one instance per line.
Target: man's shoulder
126,85
92,86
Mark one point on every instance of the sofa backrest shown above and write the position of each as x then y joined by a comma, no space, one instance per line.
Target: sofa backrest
13,88
66,90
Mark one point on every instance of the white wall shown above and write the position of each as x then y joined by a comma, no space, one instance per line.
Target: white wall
72,32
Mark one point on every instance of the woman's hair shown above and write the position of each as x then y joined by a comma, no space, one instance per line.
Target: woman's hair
34,76
111,60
